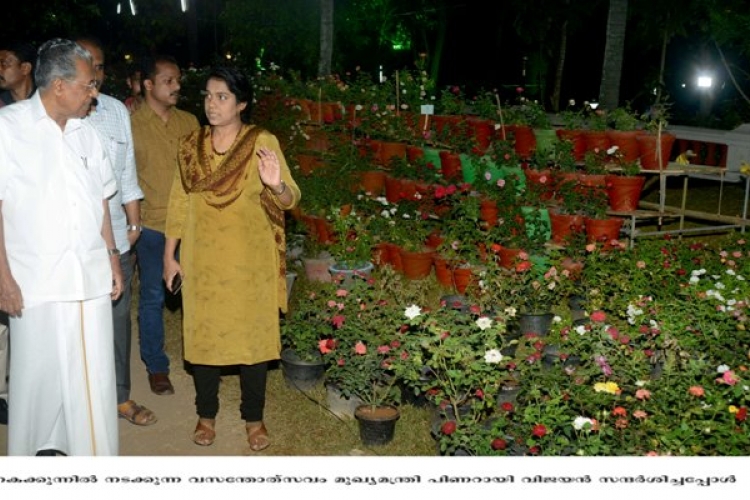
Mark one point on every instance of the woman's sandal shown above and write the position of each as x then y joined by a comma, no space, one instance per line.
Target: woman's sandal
257,436
135,413
204,434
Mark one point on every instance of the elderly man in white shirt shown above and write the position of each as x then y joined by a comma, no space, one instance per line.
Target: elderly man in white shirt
59,267
111,119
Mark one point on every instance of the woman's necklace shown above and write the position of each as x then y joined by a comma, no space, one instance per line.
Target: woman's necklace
223,153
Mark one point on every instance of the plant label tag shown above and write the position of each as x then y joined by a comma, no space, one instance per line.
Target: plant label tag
427,109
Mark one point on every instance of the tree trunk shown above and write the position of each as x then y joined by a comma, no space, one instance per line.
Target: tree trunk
557,85
609,90
326,37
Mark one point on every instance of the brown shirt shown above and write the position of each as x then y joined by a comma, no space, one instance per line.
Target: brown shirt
156,144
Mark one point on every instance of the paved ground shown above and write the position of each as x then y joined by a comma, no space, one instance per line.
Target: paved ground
171,435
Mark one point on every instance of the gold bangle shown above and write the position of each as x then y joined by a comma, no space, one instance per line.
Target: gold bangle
283,188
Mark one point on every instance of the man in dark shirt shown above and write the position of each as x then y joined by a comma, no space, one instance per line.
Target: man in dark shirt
16,72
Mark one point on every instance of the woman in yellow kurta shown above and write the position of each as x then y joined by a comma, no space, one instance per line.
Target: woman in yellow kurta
226,214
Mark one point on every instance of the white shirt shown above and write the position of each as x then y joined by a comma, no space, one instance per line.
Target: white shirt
112,121
52,184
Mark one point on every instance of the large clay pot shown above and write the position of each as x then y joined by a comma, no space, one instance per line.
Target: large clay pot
390,151
596,140
417,265
627,142
578,140
373,182
564,226
450,165
603,231
624,192
525,141
647,145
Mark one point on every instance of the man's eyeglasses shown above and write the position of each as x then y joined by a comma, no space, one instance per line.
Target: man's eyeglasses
92,85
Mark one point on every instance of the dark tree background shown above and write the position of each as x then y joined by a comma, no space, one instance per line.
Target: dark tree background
553,49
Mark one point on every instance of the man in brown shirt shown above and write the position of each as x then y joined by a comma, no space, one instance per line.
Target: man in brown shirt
157,128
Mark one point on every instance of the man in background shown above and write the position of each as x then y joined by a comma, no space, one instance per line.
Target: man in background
16,72
111,120
17,81
157,127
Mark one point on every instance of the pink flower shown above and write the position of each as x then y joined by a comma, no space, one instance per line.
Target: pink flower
331,303
326,345
728,377
696,391
598,316
640,414
640,264
341,292
501,183
360,348
383,349
591,247
341,362
338,321
642,394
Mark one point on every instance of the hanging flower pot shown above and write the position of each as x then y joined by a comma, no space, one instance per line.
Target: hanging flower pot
624,192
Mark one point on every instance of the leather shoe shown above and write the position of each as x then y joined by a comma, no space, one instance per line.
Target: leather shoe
160,384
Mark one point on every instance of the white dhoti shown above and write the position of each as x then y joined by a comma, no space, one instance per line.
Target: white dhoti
62,392
4,353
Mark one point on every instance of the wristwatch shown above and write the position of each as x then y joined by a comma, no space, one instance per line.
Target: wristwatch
133,227
113,251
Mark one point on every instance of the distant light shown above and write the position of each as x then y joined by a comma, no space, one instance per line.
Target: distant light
594,105
119,7
228,56
381,78
683,85
705,82
184,5
128,57
133,10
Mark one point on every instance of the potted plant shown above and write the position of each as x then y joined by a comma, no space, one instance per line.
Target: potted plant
624,185
351,247
626,125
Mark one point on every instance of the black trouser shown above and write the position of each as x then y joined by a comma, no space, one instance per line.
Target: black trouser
252,384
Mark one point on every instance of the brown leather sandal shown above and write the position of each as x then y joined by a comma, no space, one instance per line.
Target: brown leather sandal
257,436
135,413
204,434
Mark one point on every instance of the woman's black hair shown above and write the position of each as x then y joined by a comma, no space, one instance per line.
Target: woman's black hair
239,85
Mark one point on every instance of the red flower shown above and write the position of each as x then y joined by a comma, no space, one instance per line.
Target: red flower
338,321
539,431
523,266
448,427
499,444
598,316
534,450
507,406
326,345
479,394
619,411
741,415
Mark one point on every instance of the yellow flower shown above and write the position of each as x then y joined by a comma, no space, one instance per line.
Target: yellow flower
608,387
733,409
745,168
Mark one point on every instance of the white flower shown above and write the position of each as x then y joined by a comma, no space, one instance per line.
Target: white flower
730,272
720,285
694,280
641,383
580,422
572,102
556,319
413,311
484,323
722,368
580,330
612,150
493,356
385,214
510,311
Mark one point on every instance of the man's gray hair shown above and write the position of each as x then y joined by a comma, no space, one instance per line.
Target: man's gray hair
57,60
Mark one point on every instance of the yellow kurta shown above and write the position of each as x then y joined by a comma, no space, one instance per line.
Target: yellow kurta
230,295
